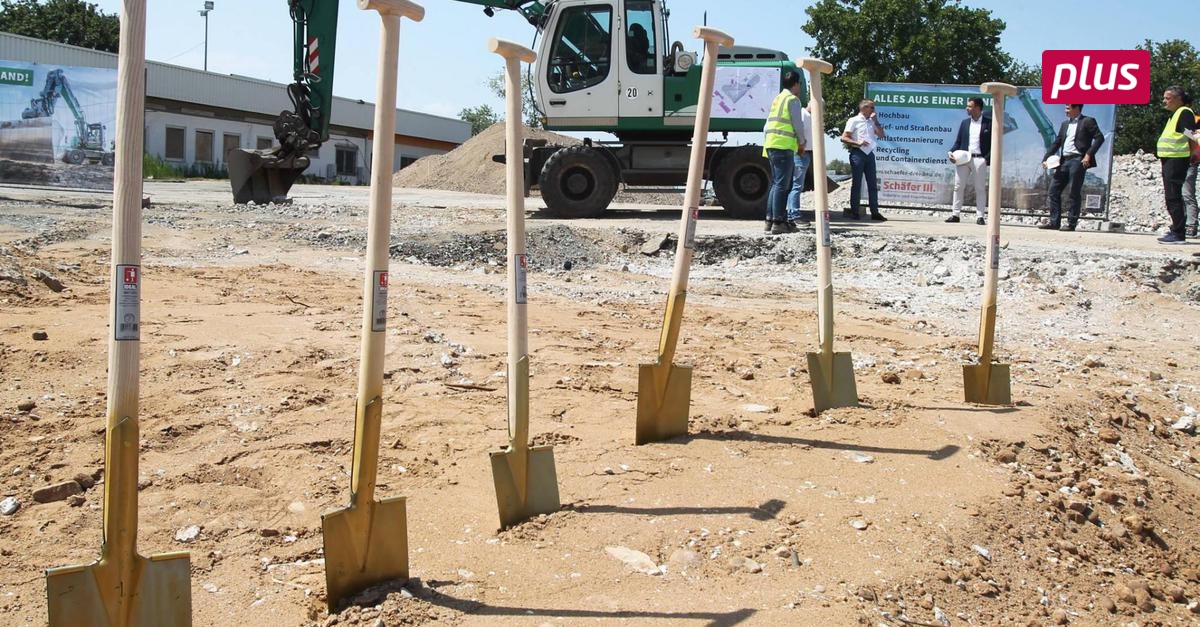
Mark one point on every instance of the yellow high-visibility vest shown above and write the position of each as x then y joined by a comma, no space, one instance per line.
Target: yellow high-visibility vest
778,132
1173,143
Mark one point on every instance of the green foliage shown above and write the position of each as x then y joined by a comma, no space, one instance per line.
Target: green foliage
529,108
837,166
200,170
73,22
1174,62
912,41
157,169
480,118
1023,75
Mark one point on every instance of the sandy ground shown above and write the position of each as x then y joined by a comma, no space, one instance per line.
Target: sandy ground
1077,505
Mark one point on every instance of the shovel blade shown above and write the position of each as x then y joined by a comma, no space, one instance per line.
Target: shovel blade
832,381
364,547
520,497
987,384
662,411
155,591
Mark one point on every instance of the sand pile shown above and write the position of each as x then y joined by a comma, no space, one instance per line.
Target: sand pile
469,168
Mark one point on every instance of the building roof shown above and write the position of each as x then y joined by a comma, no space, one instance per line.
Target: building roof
234,92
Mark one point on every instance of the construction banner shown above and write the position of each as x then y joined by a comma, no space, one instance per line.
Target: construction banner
921,122
57,124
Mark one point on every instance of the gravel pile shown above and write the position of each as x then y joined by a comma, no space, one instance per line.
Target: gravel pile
1136,198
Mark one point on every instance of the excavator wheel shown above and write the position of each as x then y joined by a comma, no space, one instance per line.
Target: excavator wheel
742,182
577,182
74,156
108,158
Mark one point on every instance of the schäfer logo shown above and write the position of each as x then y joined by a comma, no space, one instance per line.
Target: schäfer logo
1096,76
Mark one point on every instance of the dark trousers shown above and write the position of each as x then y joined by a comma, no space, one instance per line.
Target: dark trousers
1174,171
781,183
863,164
1069,171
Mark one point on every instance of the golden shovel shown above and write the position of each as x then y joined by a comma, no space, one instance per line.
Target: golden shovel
831,374
664,389
122,588
367,542
988,383
526,482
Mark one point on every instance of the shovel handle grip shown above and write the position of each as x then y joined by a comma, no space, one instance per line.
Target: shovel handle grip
998,89
816,65
511,50
401,8
712,35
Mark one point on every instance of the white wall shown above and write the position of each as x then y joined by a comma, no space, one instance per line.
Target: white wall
320,166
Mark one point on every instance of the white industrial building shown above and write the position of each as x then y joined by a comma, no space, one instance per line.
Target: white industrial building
195,117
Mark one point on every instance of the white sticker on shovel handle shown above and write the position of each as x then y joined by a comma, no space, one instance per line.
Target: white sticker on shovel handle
689,236
826,234
995,261
379,289
520,268
127,323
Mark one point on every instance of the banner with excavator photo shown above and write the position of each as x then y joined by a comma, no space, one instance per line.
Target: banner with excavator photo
921,122
56,125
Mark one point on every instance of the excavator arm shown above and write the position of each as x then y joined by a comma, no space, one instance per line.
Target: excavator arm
264,176
534,11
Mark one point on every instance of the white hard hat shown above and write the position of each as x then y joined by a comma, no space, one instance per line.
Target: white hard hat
1052,162
961,157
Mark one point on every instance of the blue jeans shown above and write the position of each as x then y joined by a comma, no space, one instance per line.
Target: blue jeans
781,182
863,164
800,168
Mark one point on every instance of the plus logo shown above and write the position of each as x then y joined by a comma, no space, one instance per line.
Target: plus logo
1096,76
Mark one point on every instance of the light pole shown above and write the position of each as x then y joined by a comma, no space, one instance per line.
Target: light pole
208,6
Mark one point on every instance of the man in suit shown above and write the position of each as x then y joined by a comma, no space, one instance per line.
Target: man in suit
975,137
1078,139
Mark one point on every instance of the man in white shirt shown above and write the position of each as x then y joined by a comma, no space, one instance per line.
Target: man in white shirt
803,163
975,137
860,136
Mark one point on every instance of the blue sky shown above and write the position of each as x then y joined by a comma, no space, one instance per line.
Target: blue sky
444,63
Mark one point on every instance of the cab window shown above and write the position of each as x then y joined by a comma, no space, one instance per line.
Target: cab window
640,50
580,56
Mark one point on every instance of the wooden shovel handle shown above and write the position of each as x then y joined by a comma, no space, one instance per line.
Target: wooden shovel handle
998,89
401,8
712,35
816,65
511,50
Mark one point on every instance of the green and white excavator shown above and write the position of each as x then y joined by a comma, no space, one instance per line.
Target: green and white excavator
264,176
610,66
603,66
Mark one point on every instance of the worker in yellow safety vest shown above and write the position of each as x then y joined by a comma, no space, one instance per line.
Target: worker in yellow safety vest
783,137
1174,151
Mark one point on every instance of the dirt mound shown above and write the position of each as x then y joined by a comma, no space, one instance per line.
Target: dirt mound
469,168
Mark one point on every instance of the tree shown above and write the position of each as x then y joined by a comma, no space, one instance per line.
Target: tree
837,166
73,22
1174,62
529,108
1023,75
481,118
915,41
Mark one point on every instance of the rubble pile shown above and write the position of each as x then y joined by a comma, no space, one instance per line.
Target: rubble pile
1136,197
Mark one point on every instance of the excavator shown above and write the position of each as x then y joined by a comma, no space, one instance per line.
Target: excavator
32,138
603,66
263,176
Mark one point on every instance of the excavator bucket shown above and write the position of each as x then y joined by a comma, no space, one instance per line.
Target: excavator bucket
262,176
29,140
